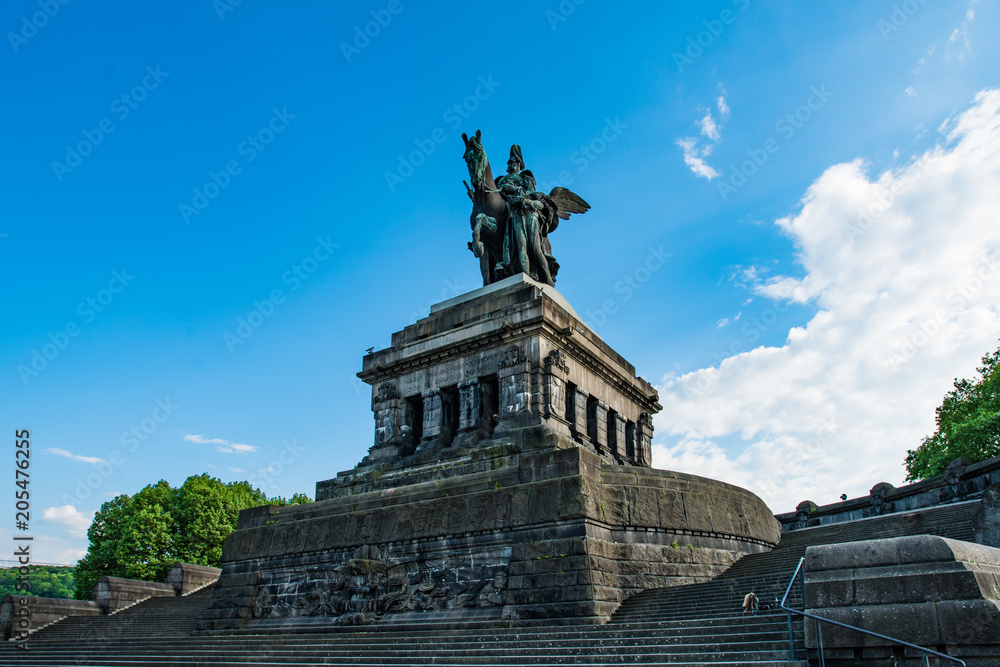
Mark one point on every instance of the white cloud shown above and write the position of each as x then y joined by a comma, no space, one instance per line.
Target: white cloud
237,470
694,157
224,446
721,323
723,107
202,440
959,44
73,457
695,153
911,91
75,522
924,59
904,270
709,127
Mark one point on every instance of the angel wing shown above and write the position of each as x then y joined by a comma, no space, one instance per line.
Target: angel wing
559,204
568,202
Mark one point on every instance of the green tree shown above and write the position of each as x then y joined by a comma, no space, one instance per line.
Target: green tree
968,424
142,536
208,510
44,581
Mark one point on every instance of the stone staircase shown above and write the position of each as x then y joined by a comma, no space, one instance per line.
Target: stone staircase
701,624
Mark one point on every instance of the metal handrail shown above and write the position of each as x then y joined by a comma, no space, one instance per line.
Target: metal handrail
819,632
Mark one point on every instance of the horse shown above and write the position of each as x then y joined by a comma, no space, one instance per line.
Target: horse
489,209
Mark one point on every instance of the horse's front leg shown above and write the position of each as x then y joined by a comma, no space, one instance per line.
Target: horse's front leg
483,223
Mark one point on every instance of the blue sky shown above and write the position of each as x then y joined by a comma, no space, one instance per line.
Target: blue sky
174,170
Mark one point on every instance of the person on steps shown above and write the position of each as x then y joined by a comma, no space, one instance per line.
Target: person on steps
750,603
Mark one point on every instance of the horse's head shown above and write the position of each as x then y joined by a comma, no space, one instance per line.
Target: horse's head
475,158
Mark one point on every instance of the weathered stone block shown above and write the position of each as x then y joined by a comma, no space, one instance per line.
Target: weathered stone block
923,589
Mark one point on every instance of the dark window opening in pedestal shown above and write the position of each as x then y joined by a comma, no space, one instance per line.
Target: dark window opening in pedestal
571,405
630,440
613,431
449,413
592,425
415,418
489,402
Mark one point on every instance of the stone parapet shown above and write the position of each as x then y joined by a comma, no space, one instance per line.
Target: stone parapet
21,615
187,578
962,481
115,593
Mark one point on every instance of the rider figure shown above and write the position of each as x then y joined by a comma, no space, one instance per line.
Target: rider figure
522,244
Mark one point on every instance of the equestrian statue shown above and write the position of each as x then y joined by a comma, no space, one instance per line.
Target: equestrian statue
511,221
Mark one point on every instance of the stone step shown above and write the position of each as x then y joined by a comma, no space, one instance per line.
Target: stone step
248,660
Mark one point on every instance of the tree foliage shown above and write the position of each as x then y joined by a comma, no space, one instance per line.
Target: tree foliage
142,536
44,581
968,424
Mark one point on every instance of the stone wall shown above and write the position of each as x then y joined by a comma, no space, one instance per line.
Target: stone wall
543,530
23,614
931,591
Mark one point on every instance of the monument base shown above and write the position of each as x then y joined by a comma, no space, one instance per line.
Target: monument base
509,480
522,527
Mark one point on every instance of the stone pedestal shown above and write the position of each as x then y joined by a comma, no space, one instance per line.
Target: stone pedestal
509,481
503,357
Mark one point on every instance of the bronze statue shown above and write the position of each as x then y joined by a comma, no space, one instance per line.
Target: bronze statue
511,220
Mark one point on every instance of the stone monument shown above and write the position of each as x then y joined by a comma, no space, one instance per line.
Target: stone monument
509,479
